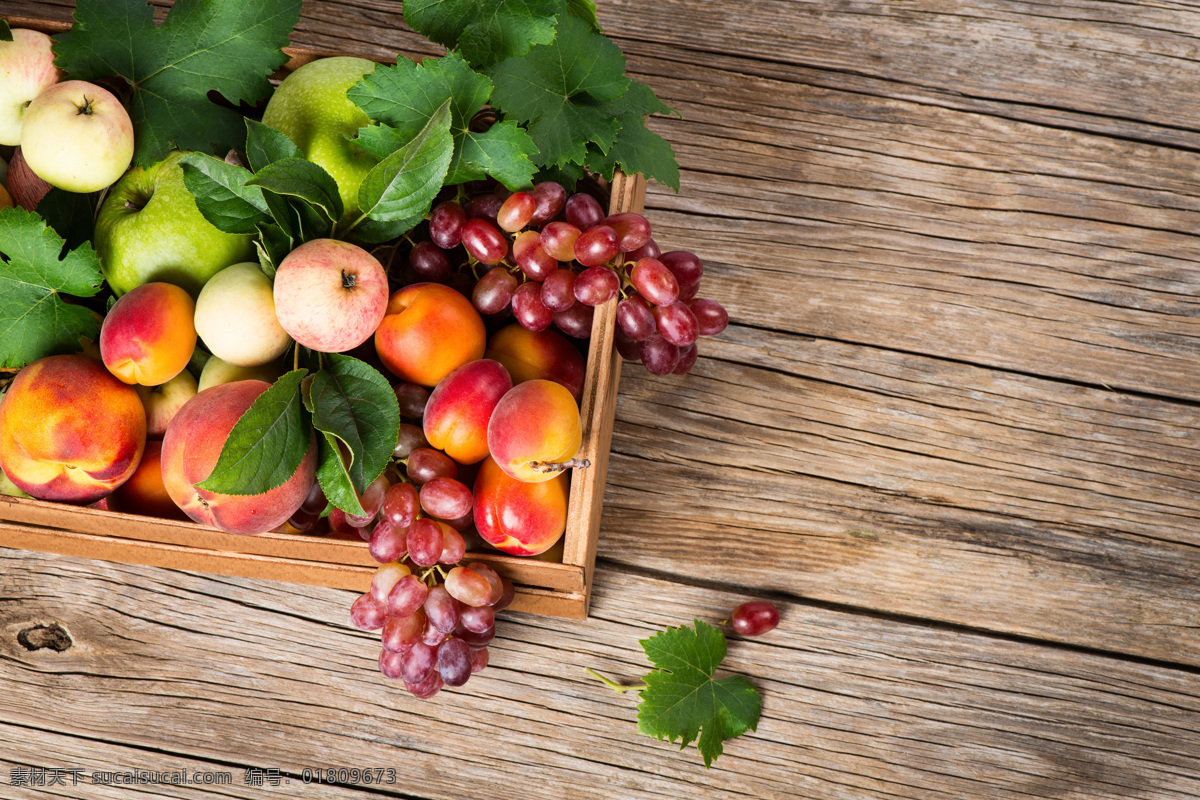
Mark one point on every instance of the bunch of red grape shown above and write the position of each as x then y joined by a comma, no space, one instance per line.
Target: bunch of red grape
436,615
552,258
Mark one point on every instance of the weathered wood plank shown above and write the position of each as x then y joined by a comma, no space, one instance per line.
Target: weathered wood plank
903,483
252,673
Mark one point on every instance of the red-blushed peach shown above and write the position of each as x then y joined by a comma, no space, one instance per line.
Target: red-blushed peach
535,430
330,295
69,430
192,446
429,331
458,410
520,518
148,335
528,355
144,492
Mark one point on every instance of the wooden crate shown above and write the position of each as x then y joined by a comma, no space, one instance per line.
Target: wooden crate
543,587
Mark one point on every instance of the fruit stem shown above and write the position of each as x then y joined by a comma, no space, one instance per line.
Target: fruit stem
610,683
559,466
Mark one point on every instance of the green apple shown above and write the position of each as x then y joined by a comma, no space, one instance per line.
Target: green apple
149,229
311,107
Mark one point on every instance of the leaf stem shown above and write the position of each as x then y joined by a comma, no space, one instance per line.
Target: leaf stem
610,683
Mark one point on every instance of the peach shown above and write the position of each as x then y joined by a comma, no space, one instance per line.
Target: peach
149,334
144,493
530,354
163,402
428,331
69,430
535,431
460,406
519,518
192,446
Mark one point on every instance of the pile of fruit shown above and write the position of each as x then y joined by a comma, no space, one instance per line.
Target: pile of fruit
343,314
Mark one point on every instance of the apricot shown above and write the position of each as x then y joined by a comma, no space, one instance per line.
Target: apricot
144,492
428,331
544,354
460,406
519,518
192,446
149,334
535,430
69,430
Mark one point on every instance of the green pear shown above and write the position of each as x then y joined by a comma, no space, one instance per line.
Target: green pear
311,108
149,229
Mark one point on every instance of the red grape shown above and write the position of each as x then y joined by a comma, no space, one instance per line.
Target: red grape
584,211
304,521
484,241
755,618
426,688
412,398
597,245
387,542
596,285
445,498
406,597
454,662
485,206
476,640
479,659
429,262
687,359
516,211
558,239
492,578
558,290
425,464
391,664
635,318
445,224
533,260
711,316
687,269
418,662
576,321
633,230
424,542
654,282
315,502
658,355
507,593
477,619
649,249
528,308
628,348
676,323
454,547
401,633
494,291
401,505
469,587
550,198
441,609
366,614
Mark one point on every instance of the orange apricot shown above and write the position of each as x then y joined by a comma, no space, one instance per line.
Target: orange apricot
428,331
530,354
149,334
535,430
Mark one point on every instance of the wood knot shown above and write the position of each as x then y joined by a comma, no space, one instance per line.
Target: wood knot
40,637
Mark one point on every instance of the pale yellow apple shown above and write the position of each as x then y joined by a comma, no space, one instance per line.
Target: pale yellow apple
162,402
77,136
217,372
235,317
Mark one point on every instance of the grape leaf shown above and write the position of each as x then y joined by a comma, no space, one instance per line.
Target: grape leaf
403,98
683,701
222,193
637,149
585,10
70,214
34,274
5,32
267,445
403,185
486,31
227,46
353,403
559,91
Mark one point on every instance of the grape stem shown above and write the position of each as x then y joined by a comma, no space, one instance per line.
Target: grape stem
559,466
610,683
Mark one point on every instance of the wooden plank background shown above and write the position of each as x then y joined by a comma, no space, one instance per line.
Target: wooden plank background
953,431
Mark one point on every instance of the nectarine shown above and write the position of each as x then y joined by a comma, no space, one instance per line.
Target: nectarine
458,410
428,331
519,518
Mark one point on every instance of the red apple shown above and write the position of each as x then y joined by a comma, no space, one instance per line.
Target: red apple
27,189
26,69
330,295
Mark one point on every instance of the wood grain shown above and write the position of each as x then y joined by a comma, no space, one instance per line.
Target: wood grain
250,673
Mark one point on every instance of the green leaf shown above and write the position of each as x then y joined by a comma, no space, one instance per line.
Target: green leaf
403,185
405,97
222,193
682,700
586,11
70,214
265,145
34,274
309,182
227,46
273,245
5,32
568,175
486,31
267,445
352,402
335,480
637,150
559,89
